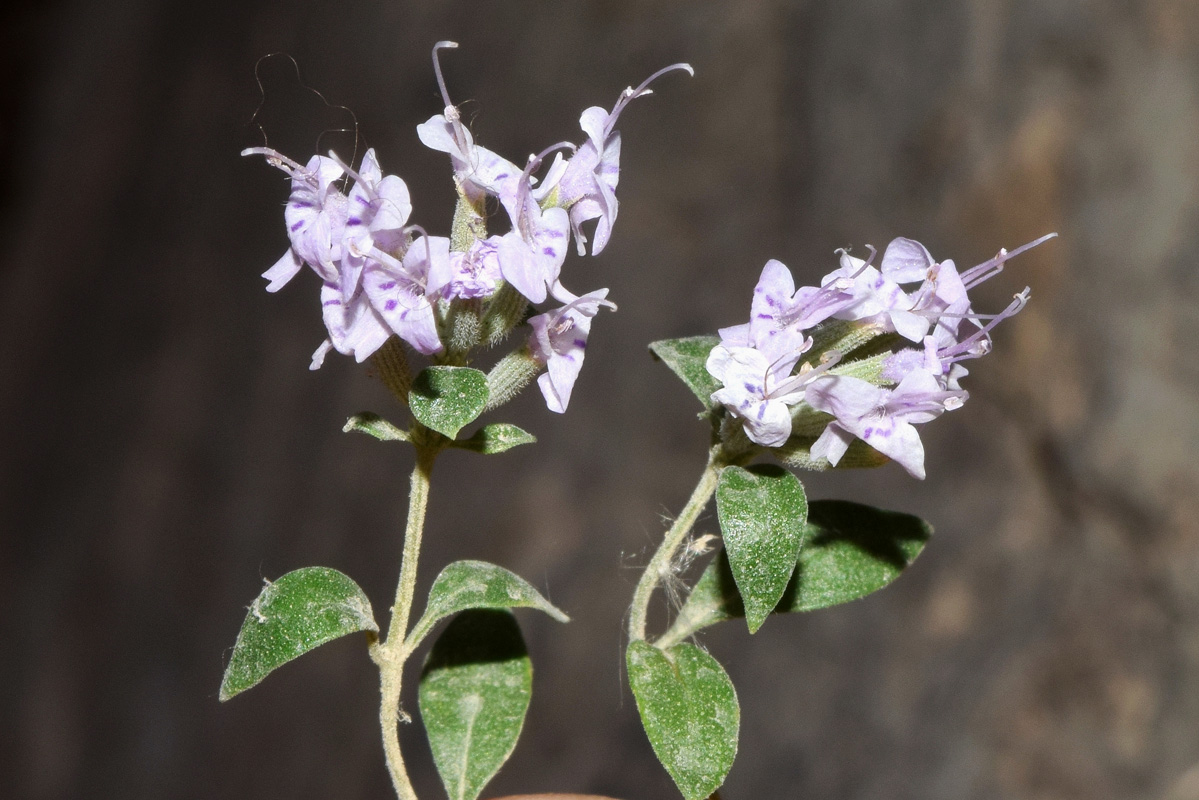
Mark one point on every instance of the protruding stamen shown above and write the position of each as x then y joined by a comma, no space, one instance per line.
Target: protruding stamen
275,158
445,94
978,343
643,89
992,267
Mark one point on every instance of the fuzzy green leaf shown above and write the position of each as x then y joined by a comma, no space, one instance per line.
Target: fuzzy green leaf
762,511
850,551
477,584
474,692
300,611
686,358
690,713
376,426
496,438
447,398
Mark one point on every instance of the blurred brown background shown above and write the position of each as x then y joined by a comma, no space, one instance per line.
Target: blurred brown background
163,446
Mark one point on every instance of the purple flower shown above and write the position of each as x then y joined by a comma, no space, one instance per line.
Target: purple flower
475,273
588,184
758,391
315,215
399,290
477,170
531,254
355,328
883,418
779,314
559,340
378,208
877,300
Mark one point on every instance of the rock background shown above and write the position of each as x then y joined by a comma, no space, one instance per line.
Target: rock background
163,446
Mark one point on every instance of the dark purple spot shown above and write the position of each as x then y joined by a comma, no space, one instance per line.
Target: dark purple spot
300,204
353,221
501,176
581,343
297,226
362,200
390,305
765,316
385,286
749,387
328,303
549,251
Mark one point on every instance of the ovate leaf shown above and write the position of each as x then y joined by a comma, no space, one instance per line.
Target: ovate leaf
477,584
474,693
300,611
447,398
850,550
689,711
496,438
762,512
686,358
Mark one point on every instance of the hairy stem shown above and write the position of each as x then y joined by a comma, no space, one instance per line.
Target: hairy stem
670,544
391,654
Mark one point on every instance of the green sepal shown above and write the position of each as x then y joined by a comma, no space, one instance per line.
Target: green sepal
689,711
762,511
686,358
796,453
300,611
374,425
477,584
474,692
445,399
850,550
495,438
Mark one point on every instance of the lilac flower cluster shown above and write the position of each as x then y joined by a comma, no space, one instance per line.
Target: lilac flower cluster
862,390
383,276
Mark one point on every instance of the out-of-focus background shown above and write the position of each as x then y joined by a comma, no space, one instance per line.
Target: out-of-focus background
163,446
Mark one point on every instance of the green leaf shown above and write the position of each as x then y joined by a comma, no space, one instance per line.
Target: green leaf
376,426
300,611
477,584
762,512
496,438
447,398
850,550
474,693
686,358
689,710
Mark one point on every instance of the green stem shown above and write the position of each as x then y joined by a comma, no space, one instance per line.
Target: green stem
391,654
682,526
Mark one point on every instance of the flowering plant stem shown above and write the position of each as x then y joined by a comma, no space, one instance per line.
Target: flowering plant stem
391,654
659,565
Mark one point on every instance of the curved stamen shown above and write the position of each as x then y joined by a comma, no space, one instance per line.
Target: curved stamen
643,89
